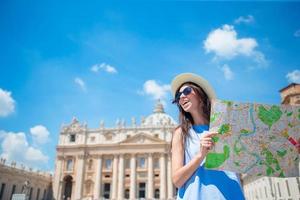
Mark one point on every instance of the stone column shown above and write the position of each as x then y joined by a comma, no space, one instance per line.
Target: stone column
121,177
115,177
133,182
150,176
169,178
97,189
57,177
163,183
79,177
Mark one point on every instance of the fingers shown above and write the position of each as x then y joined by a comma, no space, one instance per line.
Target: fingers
209,134
207,143
206,140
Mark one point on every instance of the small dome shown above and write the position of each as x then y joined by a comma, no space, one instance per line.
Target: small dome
159,117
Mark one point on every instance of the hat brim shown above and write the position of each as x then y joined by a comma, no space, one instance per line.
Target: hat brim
190,77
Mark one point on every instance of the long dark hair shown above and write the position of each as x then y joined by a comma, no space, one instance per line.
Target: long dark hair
185,119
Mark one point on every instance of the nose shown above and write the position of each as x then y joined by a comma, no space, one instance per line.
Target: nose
182,94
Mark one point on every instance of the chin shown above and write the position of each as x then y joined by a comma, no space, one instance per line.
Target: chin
188,109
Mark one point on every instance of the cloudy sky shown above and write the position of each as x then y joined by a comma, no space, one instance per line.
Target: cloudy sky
108,61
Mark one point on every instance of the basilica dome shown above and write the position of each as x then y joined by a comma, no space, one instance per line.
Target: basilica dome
158,117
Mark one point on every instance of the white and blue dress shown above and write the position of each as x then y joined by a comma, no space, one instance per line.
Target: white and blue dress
207,184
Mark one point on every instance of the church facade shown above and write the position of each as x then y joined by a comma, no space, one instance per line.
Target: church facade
124,162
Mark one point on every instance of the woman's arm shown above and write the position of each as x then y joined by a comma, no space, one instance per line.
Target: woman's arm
180,172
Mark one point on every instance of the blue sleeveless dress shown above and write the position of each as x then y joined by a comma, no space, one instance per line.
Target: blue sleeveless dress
207,184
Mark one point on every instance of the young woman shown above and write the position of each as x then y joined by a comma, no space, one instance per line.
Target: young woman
192,141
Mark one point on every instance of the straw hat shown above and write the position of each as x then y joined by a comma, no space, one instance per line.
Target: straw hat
190,77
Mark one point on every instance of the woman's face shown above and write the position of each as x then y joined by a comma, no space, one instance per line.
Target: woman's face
189,102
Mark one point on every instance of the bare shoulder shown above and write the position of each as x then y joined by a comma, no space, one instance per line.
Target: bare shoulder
177,136
177,149
177,132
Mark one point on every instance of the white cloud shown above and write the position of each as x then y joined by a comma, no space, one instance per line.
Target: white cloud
81,83
294,76
247,19
103,66
7,103
152,88
40,134
35,155
228,74
297,33
225,44
15,147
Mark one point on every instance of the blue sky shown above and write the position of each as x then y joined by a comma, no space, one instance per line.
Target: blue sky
107,60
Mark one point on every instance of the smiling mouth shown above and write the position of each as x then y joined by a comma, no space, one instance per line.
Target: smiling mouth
185,103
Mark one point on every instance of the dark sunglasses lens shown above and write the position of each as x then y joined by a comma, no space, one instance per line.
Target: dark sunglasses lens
187,91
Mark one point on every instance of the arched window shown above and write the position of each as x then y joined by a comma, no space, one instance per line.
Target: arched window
67,189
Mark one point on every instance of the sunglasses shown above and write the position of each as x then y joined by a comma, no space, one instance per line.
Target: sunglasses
186,92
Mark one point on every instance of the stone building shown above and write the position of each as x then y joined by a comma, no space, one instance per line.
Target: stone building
13,178
276,188
123,162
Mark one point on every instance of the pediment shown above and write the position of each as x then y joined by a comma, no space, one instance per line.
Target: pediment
142,138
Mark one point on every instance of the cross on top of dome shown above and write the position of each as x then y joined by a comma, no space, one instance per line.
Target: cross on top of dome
159,108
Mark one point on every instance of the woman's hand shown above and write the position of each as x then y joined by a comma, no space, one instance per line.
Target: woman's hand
206,142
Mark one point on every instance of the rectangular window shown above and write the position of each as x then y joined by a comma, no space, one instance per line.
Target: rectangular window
2,190
38,194
72,138
69,165
156,194
126,194
12,191
142,190
108,164
44,195
106,193
30,193
142,163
